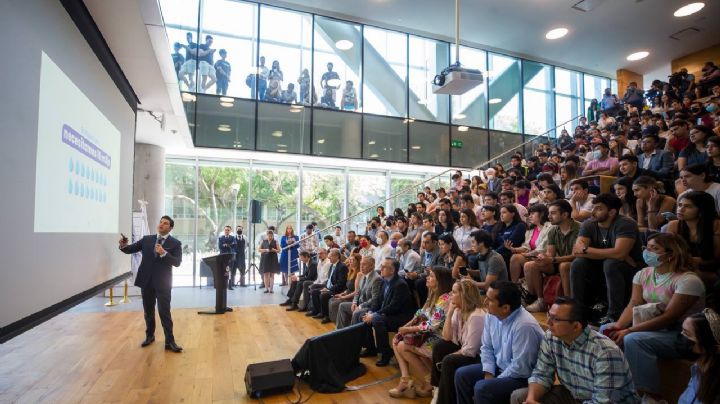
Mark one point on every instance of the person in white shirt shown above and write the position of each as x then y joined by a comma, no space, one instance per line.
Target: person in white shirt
696,178
468,224
409,258
581,200
339,237
383,249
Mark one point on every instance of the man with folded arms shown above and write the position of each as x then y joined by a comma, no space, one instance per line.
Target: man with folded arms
588,365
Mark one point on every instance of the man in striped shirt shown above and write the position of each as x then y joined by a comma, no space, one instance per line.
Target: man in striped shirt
589,366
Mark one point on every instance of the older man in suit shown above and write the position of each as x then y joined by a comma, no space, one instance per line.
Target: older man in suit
336,283
160,252
367,298
396,309
308,273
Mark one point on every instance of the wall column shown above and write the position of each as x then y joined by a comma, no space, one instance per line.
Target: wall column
149,181
624,77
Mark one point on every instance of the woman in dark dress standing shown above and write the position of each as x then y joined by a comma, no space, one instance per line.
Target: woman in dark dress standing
269,265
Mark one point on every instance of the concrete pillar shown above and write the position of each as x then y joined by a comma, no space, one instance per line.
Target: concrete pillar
149,181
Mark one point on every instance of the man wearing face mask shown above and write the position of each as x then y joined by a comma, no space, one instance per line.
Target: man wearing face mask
602,163
634,95
609,103
383,249
239,264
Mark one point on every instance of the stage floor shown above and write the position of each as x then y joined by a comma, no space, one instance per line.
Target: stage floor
93,357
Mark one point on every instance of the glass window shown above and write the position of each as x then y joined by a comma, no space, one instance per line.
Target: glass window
181,26
225,124
336,134
403,185
594,88
322,197
503,142
180,204
469,148
283,129
385,74
538,112
285,56
232,27
504,84
427,58
384,138
568,104
470,109
429,143
367,191
276,188
337,64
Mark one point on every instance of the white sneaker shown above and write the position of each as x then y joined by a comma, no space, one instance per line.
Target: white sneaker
435,395
537,306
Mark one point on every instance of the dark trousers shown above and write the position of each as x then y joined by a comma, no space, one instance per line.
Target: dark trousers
445,358
381,326
149,296
302,289
614,275
471,387
320,300
312,290
418,285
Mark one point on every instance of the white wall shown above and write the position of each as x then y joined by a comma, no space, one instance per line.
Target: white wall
661,73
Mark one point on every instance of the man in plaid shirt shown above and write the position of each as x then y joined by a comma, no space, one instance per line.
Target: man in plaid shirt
589,366
309,243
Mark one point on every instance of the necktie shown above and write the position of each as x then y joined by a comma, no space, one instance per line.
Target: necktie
329,281
159,241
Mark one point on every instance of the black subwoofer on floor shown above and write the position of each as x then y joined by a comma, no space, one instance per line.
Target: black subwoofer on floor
262,379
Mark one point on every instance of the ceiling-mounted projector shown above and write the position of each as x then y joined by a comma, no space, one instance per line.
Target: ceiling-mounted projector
456,80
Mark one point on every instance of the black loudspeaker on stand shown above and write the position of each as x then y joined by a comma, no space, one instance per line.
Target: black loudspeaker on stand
255,218
255,211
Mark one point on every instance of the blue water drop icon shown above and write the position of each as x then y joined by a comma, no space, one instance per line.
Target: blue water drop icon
77,189
77,167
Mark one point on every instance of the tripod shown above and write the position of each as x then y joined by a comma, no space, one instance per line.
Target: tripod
252,267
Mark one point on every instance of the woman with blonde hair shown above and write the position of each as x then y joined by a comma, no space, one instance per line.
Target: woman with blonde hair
351,288
414,341
461,338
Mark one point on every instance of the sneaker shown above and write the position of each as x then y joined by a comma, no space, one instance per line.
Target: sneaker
435,395
537,306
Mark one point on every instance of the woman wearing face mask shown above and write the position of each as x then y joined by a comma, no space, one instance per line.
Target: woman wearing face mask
702,330
366,247
623,190
698,224
383,249
663,295
651,203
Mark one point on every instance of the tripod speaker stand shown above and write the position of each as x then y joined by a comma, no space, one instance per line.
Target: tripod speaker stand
255,217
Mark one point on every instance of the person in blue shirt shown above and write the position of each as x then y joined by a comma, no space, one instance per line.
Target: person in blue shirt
510,344
222,72
510,228
702,331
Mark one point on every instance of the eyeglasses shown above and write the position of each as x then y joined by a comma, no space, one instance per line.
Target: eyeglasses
551,319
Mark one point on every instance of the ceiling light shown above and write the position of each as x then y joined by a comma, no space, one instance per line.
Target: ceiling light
343,44
281,150
224,128
321,141
277,133
296,108
463,128
556,33
495,101
460,116
415,147
227,104
689,9
408,120
638,55
371,142
374,156
281,145
227,99
422,102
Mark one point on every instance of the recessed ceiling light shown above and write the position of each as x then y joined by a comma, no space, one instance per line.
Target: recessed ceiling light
281,151
281,145
408,120
463,128
227,104
495,101
556,33
689,9
224,128
460,116
374,156
277,133
343,44
371,142
321,141
415,147
638,55
227,99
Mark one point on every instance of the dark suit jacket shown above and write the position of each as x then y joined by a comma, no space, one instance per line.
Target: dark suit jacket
229,241
154,270
398,300
338,278
310,273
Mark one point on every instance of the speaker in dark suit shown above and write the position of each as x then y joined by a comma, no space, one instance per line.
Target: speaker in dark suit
227,244
160,252
300,283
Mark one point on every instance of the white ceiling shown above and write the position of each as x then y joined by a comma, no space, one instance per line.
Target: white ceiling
599,40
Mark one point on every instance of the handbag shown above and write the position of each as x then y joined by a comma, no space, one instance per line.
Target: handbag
416,339
647,311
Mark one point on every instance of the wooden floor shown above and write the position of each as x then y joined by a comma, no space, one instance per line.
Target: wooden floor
96,357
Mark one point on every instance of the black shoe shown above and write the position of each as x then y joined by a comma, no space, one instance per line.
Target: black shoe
287,302
242,285
311,314
261,287
230,288
148,340
368,352
302,309
318,316
171,346
292,308
384,360
326,320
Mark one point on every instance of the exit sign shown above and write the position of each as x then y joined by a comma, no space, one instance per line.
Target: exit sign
458,144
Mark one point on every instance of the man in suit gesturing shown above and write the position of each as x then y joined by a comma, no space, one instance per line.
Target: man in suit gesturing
160,252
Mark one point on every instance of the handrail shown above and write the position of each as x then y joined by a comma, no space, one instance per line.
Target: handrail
414,186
